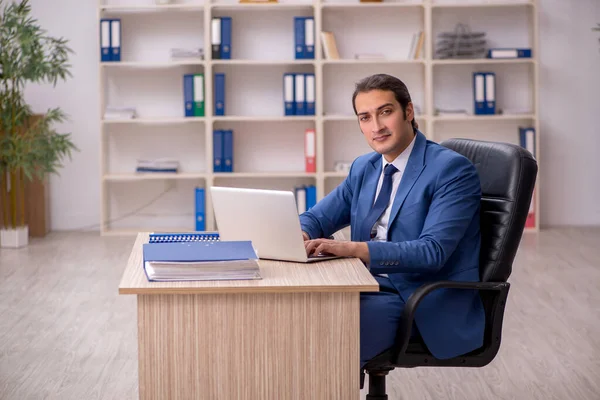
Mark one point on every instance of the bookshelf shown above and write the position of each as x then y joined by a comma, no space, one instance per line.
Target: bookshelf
268,146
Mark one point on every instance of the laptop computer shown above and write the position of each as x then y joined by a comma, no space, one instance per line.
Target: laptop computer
269,218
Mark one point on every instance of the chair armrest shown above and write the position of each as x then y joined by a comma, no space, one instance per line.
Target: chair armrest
408,315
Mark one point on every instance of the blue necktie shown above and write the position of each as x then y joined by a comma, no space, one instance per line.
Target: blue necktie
380,204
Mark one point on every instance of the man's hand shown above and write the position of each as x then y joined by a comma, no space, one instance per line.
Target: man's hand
305,236
337,248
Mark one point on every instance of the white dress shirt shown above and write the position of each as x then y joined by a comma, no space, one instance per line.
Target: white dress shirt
400,163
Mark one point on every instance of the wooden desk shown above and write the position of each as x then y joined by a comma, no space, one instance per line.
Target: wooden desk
292,335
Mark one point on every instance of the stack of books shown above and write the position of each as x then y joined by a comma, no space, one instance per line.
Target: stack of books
158,165
113,113
191,259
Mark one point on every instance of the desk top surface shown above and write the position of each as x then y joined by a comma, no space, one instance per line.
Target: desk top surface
339,275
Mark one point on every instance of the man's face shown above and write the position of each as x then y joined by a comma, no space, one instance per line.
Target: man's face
382,122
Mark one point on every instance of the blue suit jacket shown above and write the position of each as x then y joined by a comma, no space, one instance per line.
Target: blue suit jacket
433,234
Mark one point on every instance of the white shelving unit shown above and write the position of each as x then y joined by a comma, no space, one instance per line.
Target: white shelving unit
268,146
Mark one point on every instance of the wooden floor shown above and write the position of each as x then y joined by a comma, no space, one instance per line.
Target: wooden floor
65,333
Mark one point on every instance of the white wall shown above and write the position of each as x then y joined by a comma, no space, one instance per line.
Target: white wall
569,110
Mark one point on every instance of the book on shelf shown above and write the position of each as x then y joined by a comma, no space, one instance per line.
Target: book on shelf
416,46
527,141
329,46
200,261
508,53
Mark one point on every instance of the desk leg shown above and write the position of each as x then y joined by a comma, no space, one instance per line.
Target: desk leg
262,346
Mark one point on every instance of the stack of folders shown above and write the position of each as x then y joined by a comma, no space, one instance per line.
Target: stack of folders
113,113
200,260
178,54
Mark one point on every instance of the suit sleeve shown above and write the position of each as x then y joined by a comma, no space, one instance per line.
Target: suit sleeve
456,200
330,214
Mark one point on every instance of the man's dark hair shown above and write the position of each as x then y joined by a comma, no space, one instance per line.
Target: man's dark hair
385,82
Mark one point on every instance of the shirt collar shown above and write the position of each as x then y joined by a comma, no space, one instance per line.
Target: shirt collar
402,159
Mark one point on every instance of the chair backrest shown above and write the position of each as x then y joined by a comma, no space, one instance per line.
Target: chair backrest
507,173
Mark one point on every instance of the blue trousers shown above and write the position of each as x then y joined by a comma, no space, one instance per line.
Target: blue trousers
379,319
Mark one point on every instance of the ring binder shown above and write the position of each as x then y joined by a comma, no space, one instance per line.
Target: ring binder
184,237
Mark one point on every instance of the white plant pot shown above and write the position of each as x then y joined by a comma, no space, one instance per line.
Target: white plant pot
14,238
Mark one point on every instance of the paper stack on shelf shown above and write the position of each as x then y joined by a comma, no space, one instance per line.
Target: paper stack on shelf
120,113
461,43
179,54
158,165
200,261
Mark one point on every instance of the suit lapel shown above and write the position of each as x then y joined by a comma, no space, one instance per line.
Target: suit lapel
414,167
366,197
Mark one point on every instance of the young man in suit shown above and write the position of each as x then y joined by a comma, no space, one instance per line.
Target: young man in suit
413,207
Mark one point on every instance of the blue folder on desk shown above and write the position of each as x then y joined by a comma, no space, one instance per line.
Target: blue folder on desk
190,261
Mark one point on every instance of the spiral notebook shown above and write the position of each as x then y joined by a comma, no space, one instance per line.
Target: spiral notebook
157,237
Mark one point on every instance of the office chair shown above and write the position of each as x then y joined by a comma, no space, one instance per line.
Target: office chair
507,173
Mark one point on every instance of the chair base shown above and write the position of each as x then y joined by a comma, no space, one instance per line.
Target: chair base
377,389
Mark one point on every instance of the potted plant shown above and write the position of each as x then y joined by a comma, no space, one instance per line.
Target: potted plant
30,146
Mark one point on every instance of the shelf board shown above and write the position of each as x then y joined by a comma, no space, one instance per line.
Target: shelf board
335,174
151,64
350,61
154,121
492,3
241,118
354,118
370,5
263,6
151,176
472,61
139,8
263,62
498,117
298,174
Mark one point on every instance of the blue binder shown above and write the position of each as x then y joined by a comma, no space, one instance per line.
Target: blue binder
200,210
311,196
228,150
309,38
289,93
309,94
188,94
299,94
218,150
479,106
220,94
299,37
199,251
527,139
105,48
504,53
225,38
115,39
490,93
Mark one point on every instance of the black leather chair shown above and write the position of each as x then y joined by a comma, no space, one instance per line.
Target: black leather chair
508,174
